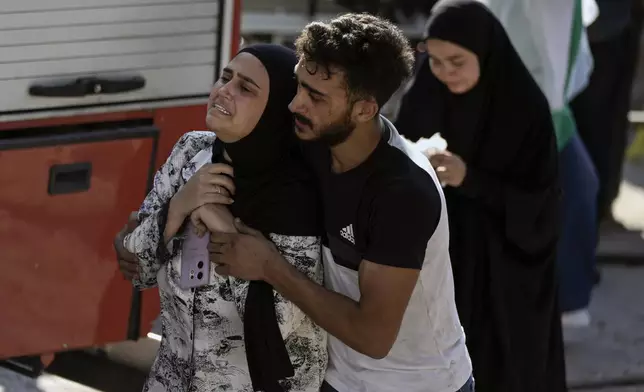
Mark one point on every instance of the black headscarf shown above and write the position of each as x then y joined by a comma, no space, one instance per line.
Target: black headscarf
275,194
495,108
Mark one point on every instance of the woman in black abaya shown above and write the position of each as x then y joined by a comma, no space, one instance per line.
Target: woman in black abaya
500,177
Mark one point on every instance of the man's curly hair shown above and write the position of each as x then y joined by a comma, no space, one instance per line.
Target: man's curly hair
373,53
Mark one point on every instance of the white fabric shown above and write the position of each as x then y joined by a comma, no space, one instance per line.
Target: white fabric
581,70
589,11
541,32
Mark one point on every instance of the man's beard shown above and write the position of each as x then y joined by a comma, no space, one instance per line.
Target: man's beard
334,133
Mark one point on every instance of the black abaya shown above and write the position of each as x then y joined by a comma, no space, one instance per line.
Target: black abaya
503,218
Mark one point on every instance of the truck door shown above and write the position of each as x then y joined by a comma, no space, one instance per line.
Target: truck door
93,94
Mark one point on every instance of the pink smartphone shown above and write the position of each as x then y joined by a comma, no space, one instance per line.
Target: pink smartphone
195,259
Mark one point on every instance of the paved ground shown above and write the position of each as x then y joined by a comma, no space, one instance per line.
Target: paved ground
77,372
13,382
628,209
612,352
613,349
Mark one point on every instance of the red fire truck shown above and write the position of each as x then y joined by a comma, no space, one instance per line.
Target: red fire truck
93,95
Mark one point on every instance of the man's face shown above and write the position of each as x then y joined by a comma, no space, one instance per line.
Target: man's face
322,108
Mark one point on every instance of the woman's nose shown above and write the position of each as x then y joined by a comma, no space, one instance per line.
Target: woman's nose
452,72
225,91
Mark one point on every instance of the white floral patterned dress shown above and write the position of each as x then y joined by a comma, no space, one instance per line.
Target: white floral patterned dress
202,346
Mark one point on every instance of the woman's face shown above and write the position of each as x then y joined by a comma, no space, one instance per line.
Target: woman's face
238,98
457,67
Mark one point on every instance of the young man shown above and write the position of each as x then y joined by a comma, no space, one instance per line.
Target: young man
388,303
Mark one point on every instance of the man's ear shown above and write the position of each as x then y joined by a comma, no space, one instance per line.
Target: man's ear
365,110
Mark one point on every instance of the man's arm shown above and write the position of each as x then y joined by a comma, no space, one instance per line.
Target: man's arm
369,326
128,265
402,221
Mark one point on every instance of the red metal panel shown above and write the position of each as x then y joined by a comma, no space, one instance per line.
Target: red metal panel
79,119
59,286
58,293
174,122
236,33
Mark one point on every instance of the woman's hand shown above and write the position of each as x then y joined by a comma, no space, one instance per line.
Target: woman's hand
450,168
214,218
209,185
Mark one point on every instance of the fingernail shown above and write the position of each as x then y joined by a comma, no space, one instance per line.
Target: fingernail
231,201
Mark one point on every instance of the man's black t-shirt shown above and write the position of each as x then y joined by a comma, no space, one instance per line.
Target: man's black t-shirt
389,210
385,210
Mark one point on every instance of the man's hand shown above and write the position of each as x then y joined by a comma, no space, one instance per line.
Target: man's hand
243,255
213,218
128,264
450,168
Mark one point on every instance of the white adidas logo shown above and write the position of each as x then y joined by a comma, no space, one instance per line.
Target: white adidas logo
347,234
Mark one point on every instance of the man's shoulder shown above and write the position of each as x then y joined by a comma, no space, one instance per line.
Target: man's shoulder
399,175
407,201
404,195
